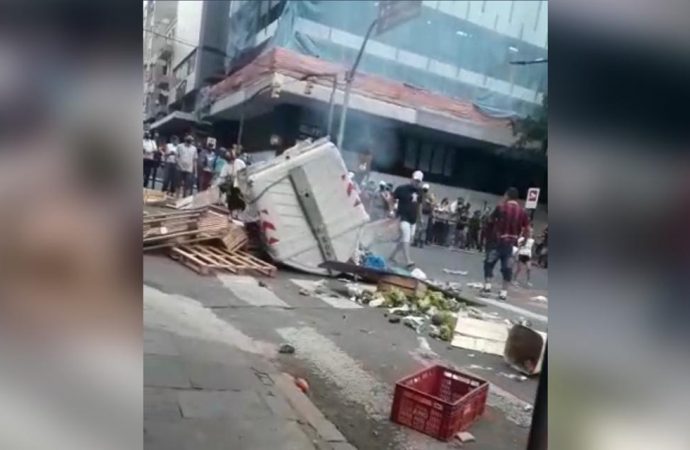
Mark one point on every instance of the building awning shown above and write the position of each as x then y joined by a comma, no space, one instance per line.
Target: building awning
373,95
178,119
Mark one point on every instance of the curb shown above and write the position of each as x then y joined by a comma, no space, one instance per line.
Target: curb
308,412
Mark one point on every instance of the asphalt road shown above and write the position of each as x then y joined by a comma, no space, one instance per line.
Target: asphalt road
352,357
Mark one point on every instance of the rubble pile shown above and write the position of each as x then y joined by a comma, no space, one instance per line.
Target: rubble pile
203,239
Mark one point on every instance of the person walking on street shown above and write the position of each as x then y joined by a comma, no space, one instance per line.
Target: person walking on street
149,158
409,197
186,165
170,167
508,222
524,254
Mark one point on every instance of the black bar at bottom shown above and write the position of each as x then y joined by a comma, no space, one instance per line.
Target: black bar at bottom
539,431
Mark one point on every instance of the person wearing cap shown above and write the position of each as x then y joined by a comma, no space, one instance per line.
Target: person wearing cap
423,221
409,198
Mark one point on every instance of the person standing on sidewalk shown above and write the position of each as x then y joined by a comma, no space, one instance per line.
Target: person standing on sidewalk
508,222
170,170
149,158
409,197
186,165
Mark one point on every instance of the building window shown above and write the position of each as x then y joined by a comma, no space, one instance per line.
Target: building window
425,157
410,154
450,162
438,159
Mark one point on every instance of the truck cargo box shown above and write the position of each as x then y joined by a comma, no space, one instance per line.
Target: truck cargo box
309,210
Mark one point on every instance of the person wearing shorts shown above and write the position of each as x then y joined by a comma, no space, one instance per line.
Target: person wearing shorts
524,254
408,197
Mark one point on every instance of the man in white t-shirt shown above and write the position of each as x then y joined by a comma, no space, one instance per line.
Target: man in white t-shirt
170,161
186,164
149,158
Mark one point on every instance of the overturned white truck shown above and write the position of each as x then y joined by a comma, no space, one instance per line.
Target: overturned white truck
308,209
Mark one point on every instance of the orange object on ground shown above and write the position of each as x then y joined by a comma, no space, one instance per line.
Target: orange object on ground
302,384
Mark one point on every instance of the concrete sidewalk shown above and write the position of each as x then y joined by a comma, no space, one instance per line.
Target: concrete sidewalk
205,395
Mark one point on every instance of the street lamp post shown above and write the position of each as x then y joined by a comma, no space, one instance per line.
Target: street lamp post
349,77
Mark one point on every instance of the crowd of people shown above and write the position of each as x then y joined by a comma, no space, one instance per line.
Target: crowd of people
504,233
192,165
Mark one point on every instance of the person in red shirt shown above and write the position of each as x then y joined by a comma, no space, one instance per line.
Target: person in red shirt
507,223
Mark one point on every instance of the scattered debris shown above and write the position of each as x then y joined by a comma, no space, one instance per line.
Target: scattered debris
418,274
286,349
262,284
513,376
475,285
455,272
540,298
527,408
394,319
476,367
375,303
465,436
305,292
486,336
471,355
416,323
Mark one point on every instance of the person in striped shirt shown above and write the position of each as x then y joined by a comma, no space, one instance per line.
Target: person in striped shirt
507,223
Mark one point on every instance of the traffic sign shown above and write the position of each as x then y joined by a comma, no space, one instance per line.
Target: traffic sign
532,198
394,12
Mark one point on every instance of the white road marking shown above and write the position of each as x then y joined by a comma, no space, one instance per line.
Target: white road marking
516,309
248,290
187,317
336,301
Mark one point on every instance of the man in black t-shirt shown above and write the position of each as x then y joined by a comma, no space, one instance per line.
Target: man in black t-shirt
409,198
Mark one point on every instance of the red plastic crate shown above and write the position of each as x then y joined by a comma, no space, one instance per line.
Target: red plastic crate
439,401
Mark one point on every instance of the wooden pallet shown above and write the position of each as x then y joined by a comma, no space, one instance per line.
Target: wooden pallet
235,239
206,259
152,197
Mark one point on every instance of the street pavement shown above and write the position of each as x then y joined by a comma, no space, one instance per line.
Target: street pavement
350,355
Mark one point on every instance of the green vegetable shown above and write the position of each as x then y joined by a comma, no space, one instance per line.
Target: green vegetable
394,298
445,332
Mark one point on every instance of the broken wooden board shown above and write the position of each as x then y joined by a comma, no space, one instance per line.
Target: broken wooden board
206,259
200,199
480,335
152,196
408,285
236,238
